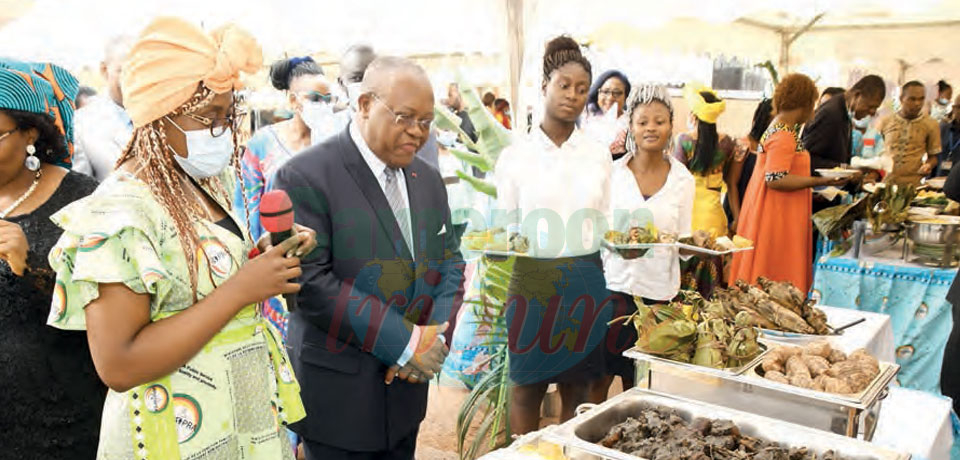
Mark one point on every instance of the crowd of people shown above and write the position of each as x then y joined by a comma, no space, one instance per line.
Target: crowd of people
137,219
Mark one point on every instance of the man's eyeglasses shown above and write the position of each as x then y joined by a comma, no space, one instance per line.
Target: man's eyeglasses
407,121
611,92
218,126
316,96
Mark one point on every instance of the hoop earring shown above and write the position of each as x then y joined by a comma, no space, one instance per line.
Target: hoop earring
32,162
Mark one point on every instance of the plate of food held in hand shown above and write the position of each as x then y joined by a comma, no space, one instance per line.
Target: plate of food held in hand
778,308
703,242
504,246
821,368
837,173
637,241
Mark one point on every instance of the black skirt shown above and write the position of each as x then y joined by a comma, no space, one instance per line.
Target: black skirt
557,313
620,337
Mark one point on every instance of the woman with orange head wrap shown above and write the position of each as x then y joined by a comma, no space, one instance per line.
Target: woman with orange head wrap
154,266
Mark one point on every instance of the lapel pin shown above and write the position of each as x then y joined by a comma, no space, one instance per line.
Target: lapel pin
413,174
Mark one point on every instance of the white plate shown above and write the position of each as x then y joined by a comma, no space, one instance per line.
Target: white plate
503,254
936,182
835,173
693,248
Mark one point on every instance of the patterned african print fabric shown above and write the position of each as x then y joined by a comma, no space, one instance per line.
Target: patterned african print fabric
41,88
231,400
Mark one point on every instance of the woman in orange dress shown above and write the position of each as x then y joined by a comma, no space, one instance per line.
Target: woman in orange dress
777,207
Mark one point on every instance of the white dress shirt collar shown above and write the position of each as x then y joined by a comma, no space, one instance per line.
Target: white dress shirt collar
377,166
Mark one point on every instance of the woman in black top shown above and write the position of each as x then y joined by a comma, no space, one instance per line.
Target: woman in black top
52,397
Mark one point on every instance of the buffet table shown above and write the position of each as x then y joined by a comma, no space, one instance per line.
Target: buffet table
914,296
910,421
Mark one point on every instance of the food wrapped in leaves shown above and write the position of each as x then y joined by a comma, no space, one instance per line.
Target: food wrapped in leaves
784,293
834,221
674,339
710,350
744,346
692,329
889,205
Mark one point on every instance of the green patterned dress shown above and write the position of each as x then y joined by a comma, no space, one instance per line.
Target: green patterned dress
233,398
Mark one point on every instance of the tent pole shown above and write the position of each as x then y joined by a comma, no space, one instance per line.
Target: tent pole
787,39
515,45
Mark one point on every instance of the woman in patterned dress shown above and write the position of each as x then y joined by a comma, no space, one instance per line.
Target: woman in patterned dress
777,206
308,94
154,266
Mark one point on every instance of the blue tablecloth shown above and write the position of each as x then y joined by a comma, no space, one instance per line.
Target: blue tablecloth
915,299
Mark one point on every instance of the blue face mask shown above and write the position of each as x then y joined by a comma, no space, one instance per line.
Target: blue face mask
862,123
207,156
943,101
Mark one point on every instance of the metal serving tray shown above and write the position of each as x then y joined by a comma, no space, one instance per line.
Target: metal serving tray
849,415
657,362
860,400
580,434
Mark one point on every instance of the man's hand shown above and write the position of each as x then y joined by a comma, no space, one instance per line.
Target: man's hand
308,241
428,358
925,169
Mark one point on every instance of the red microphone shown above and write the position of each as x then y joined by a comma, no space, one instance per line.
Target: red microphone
276,216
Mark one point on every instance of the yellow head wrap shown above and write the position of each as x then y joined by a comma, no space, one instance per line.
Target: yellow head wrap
703,110
172,56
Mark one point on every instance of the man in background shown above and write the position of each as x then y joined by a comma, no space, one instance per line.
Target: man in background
455,104
949,140
828,137
829,93
103,128
84,96
910,138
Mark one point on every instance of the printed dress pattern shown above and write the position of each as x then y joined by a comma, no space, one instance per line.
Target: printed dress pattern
232,399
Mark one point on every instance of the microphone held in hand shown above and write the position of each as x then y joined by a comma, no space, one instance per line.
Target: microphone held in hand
276,216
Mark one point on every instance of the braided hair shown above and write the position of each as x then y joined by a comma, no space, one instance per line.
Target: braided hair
150,149
561,51
640,95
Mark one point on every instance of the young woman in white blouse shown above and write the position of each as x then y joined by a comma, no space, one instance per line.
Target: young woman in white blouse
647,186
554,185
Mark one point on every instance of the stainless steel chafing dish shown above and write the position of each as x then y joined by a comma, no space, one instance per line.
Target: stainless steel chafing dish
580,434
848,415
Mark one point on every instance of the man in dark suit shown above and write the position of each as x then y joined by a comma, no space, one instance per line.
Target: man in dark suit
385,280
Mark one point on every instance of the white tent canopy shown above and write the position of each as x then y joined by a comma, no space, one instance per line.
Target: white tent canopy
665,41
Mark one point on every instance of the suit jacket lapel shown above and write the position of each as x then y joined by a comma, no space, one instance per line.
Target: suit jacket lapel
370,186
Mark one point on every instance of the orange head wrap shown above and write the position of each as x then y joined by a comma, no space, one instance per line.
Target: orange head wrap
172,56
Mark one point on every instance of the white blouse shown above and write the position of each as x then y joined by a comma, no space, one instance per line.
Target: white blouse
558,197
656,275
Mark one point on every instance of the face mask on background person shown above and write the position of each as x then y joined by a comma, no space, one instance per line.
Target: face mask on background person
207,156
862,123
319,117
353,93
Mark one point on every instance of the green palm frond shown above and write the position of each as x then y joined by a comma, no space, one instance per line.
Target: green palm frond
489,399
